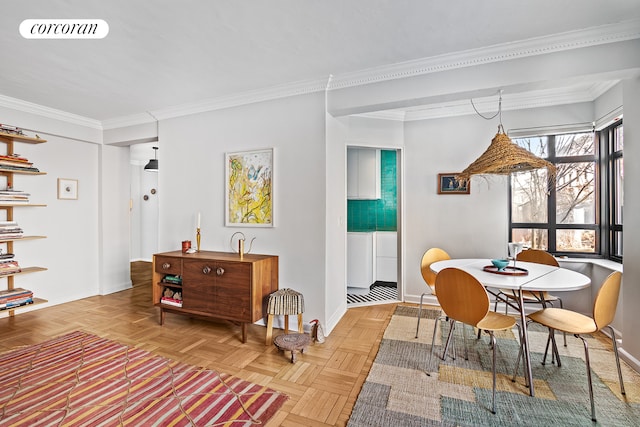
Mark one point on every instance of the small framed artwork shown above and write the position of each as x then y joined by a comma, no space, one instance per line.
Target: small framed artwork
67,189
448,184
249,188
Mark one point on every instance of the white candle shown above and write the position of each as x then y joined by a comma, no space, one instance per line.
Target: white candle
198,219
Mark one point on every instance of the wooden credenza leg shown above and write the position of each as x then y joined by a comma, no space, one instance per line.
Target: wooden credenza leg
161,317
244,332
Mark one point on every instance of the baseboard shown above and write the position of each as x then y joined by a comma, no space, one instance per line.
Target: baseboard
631,361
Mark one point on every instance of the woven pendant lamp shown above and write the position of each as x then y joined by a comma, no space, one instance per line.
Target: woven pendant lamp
504,157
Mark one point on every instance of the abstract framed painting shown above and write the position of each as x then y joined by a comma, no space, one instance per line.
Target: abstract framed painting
249,188
448,184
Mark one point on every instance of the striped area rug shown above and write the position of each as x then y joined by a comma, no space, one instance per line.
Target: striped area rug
80,379
403,389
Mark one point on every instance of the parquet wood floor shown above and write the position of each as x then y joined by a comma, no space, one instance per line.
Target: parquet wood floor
322,385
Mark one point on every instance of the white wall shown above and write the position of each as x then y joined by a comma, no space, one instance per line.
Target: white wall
113,205
631,290
192,180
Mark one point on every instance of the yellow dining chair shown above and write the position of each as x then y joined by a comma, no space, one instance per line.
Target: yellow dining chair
464,299
430,256
604,310
539,257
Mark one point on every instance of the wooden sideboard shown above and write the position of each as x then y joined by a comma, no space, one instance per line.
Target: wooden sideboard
216,285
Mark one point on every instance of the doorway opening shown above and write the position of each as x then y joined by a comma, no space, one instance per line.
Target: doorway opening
374,255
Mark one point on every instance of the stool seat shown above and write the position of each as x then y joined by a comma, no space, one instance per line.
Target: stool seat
293,343
284,302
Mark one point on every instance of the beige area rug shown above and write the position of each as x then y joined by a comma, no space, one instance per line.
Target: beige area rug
402,389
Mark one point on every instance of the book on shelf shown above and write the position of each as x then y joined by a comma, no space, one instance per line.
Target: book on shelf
14,196
10,230
10,305
15,295
172,279
171,301
9,267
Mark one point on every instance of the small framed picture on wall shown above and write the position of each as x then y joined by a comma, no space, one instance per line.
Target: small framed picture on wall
448,184
67,189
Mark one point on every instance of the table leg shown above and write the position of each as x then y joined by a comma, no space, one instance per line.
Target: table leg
525,341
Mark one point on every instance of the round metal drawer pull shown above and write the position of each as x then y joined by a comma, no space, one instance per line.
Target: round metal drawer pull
220,271
206,270
166,266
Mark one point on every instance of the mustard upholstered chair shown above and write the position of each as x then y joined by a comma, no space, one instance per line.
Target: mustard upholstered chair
604,310
464,299
430,256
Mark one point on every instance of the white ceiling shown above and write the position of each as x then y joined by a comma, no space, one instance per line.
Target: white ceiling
165,53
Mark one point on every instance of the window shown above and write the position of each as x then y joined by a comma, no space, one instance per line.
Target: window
581,212
561,218
613,143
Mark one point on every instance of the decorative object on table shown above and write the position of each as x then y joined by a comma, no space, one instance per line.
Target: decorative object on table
240,244
514,249
152,166
507,271
249,188
186,245
95,381
500,264
504,157
198,234
293,343
448,184
67,189
284,302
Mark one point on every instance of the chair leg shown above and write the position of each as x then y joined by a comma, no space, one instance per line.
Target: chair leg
446,347
493,344
433,339
546,348
554,347
564,334
520,356
586,358
419,314
615,351
464,340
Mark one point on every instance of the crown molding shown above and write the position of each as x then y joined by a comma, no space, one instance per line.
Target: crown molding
126,121
510,102
618,32
51,113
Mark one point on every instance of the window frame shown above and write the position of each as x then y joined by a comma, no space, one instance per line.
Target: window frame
551,225
612,206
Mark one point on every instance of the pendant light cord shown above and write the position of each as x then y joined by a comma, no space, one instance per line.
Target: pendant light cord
498,113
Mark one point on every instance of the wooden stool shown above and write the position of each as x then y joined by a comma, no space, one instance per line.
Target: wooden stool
284,302
293,343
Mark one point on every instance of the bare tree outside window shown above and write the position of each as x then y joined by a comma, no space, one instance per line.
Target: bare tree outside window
562,218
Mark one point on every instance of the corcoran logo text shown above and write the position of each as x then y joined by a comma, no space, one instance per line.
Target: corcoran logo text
64,29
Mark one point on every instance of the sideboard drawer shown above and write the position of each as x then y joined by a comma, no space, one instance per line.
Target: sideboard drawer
168,265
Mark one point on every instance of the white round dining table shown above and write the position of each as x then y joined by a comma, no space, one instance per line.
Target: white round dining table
538,278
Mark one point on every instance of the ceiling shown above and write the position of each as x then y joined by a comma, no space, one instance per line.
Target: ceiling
165,53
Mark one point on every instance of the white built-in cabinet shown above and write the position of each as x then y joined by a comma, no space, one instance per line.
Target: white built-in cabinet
361,259
387,256
363,173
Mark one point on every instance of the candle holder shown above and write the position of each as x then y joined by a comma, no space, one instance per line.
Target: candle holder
198,239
